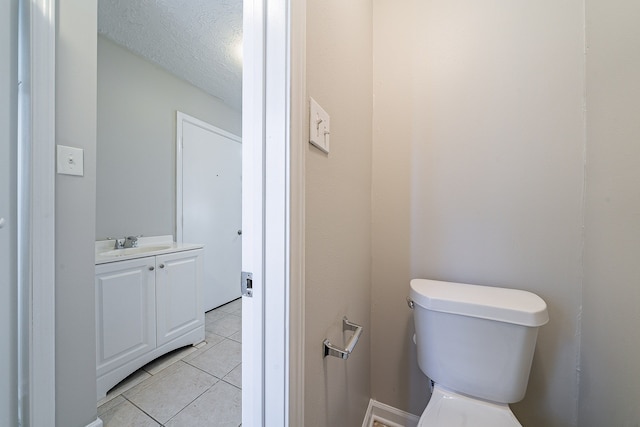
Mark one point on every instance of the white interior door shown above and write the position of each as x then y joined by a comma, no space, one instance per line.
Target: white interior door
210,166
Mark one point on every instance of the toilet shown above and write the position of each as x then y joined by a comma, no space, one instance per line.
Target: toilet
476,345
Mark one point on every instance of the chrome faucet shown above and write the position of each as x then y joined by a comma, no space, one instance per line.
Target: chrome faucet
131,242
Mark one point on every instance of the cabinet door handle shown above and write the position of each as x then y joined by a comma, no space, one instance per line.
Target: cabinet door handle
161,265
152,268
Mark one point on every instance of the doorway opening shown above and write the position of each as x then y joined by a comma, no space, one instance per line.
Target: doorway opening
169,117
274,198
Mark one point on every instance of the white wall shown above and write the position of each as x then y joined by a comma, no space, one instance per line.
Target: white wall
8,245
137,103
338,211
609,384
478,177
75,355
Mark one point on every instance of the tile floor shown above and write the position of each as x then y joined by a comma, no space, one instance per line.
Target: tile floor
188,387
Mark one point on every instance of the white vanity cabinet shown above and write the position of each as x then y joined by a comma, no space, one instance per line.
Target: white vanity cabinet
179,306
125,312
145,307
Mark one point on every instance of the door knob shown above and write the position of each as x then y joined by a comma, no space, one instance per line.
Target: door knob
239,232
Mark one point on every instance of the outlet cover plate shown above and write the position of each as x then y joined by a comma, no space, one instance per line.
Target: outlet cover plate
70,160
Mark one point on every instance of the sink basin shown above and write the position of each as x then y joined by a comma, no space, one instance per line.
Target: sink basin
134,251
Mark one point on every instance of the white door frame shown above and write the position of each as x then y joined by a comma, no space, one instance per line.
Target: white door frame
8,213
36,205
273,215
273,212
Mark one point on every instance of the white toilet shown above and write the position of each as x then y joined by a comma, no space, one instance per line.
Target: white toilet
476,344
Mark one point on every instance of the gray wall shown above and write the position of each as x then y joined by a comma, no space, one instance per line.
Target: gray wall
75,215
478,150
137,103
8,248
338,211
609,384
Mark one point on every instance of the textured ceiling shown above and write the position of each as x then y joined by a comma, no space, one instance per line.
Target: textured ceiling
197,40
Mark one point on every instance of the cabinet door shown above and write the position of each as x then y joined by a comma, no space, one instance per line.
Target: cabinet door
178,294
125,311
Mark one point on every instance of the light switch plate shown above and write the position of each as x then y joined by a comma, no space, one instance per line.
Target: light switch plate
70,160
319,126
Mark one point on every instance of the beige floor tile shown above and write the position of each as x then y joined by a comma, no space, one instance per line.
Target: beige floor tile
110,404
211,340
213,315
225,326
131,381
237,336
164,395
126,414
234,307
234,377
220,359
220,407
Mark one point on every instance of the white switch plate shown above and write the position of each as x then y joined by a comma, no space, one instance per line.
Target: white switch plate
70,160
319,126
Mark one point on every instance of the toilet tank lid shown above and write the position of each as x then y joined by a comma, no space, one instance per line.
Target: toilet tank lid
485,302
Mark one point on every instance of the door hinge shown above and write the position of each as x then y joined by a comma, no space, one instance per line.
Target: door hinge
246,284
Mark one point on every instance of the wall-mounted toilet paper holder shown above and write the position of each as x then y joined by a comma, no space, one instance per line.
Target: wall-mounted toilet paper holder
331,350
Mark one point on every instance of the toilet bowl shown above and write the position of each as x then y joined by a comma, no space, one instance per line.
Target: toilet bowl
451,409
476,344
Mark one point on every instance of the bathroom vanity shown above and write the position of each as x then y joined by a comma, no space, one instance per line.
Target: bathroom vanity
148,302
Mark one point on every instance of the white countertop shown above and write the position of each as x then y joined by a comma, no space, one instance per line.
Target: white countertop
147,246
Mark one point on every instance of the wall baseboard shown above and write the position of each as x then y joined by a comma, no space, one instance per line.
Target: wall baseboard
388,415
96,423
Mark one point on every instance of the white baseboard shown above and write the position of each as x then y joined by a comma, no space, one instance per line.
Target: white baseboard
388,415
96,423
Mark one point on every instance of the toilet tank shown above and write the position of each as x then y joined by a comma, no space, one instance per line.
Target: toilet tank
477,340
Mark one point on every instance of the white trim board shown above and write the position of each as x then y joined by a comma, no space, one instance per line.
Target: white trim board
253,124
36,189
388,415
96,423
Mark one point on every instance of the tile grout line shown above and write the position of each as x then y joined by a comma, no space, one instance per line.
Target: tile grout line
215,376
187,405
141,410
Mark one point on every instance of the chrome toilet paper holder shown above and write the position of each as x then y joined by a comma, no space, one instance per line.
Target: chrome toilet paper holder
332,350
